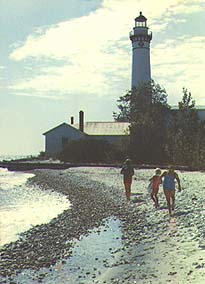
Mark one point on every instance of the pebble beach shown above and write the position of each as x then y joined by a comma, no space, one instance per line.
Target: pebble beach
102,238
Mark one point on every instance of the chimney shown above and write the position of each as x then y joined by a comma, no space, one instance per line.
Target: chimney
72,120
81,121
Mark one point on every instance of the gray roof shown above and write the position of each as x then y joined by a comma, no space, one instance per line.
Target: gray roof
105,128
60,125
141,18
200,107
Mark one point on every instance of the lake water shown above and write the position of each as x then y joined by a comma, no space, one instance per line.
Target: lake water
21,206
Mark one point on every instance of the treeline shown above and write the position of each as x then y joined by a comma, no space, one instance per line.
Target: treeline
92,151
158,134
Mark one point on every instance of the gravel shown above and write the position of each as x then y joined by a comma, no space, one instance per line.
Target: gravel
155,248
42,246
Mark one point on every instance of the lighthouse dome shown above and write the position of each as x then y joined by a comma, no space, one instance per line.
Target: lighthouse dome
141,18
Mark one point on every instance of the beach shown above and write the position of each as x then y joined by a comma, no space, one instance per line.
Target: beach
102,238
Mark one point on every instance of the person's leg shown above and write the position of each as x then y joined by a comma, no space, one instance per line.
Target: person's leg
168,198
127,191
157,200
153,198
173,199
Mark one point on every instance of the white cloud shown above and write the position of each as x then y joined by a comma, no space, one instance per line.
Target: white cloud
109,23
97,53
181,62
39,94
2,68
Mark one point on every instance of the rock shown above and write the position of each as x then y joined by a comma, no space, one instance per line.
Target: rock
190,271
172,273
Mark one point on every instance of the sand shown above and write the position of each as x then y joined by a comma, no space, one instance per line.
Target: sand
105,239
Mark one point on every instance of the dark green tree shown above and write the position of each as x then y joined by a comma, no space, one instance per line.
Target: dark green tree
149,110
146,108
201,146
184,132
90,150
159,134
124,105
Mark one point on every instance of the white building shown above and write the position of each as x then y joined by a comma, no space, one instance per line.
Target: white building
57,137
141,71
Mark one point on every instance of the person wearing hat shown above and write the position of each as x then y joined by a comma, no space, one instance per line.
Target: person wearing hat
156,181
169,176
127,171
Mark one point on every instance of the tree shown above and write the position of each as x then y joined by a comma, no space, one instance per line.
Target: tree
159,134
201,146
124,105
184,132
187,102
146,108
90,150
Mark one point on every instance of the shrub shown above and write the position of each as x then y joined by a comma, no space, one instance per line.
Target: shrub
90,150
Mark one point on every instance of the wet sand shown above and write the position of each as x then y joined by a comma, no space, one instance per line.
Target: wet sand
140,244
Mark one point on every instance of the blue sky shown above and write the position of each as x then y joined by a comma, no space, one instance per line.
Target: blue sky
60,56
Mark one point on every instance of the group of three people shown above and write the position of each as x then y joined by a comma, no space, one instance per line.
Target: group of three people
167,178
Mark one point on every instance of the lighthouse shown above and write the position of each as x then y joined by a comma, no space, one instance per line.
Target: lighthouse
140,38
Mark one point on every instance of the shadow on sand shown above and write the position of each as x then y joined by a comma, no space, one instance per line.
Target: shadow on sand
136,194
137,200
181,213
162,207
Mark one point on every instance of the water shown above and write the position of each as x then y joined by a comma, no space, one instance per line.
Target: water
14,157
21,206
87,261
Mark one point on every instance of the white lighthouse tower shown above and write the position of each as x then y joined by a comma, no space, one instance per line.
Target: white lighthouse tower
140,38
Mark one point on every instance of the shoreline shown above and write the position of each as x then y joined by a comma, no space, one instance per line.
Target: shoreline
44,245
147,234
30,165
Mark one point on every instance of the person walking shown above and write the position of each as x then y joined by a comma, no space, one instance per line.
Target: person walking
156,181
169,176
127,171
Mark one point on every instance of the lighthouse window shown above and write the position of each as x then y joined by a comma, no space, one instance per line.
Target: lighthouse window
140,24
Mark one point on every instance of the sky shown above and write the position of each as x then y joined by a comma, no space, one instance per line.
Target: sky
58,57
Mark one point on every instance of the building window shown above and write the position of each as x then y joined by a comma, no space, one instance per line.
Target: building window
64,141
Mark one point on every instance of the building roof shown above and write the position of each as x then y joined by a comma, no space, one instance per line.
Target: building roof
98,128
60,125
196,107
105,128
141,18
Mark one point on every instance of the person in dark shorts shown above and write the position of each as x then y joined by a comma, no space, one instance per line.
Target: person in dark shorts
169,176
127,171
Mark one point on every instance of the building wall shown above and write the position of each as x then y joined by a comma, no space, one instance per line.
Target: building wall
109,138
201,114
56,138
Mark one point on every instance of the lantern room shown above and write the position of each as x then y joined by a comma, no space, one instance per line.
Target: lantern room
141,21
